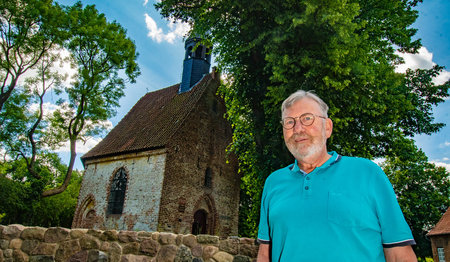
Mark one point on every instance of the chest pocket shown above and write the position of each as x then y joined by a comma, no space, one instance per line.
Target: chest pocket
346,210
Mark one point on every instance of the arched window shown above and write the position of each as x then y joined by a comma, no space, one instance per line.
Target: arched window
117,192
208,178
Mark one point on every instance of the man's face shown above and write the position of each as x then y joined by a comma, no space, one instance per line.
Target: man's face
307,142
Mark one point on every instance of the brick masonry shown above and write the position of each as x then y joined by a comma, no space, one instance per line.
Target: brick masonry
20,243
167,187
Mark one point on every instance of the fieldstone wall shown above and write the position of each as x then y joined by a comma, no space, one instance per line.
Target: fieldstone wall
20,243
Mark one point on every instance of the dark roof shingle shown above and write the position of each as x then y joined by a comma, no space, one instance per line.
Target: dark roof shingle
152,121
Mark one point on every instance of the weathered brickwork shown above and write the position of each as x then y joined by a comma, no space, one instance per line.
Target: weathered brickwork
187,184
19,243
145,172
201,144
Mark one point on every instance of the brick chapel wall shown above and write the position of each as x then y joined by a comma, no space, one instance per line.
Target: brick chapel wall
440,241
19,243
200,144
142,197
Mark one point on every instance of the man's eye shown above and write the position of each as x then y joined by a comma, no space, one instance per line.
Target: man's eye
289,121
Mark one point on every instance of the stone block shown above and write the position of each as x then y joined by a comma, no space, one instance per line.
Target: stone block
167,253
184,254
33,233
67,249
8,253
115,248
229,245
29,245
12,231
197,251
208,240
42,259
167,238
240,258
135,258
56,234
78,233
189,240
81,256
149,247
15,243
248,250
223,257
128,236
248,241
4,244
144,234
94,233
130,248
110,235
97,256
48,249
209,251
20,256
89,242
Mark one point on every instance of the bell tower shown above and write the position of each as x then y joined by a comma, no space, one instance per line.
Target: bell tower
196,64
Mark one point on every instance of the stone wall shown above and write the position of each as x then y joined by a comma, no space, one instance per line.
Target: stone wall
19,243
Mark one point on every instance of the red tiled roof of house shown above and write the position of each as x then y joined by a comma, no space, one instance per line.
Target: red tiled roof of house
443,226
152,121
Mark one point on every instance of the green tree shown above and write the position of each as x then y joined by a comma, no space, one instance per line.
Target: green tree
27,30
105,59
341,49
101,50
422,189
21,202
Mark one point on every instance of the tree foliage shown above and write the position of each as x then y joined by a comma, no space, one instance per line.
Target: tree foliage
422,189
34,35
344,50
21,202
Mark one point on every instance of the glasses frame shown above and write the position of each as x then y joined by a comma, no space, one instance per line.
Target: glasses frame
300,120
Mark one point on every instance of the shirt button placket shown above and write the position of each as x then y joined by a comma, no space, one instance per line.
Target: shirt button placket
307,186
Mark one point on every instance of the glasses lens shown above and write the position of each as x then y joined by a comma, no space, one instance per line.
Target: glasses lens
307,119
288,122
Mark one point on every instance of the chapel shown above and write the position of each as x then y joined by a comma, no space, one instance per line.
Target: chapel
164,167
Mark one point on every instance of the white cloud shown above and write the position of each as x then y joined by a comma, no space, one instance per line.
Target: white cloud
445,144
145,2
81,147
424,60
176,30
442,164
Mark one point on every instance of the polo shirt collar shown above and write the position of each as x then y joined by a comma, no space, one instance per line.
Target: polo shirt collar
335,157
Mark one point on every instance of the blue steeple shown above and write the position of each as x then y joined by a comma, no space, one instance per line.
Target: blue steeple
196,64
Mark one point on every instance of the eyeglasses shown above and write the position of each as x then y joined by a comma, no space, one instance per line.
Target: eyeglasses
306,119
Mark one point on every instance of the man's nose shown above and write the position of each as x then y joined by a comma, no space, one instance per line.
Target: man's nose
298,127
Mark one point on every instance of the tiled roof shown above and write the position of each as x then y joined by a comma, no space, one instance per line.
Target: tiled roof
152,121
443,226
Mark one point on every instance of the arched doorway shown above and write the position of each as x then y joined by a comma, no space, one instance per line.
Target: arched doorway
200,226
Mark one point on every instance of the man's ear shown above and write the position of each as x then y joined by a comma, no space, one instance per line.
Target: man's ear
328,127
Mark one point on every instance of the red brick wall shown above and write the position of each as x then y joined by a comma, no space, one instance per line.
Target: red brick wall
200,144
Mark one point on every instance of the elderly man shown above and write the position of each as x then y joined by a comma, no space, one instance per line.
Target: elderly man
327,207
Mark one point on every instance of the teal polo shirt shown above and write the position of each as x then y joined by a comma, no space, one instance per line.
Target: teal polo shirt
344,210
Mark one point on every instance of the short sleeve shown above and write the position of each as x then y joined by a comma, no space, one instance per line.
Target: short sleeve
394,229
263,229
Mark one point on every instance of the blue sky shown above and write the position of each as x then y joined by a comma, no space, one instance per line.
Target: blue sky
161,53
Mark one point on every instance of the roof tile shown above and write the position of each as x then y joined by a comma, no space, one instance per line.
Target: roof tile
152,121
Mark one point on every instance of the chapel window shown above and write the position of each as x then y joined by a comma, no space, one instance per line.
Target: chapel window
208,178
117,192
441,254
